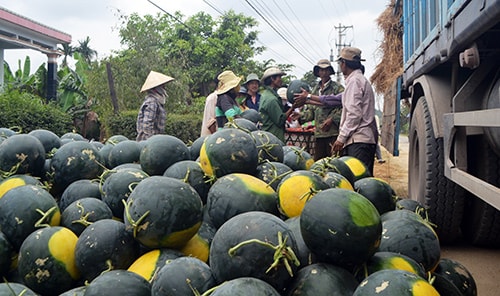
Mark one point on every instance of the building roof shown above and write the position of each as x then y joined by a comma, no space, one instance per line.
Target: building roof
19,32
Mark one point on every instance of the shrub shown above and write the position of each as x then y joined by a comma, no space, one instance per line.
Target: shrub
28,112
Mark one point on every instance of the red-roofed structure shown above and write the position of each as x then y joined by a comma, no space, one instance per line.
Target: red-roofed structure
18,32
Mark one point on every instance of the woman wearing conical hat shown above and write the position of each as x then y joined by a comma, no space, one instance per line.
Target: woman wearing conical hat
152,115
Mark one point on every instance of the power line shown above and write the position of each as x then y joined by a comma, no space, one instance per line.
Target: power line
271,17
303,27
275,30
213,7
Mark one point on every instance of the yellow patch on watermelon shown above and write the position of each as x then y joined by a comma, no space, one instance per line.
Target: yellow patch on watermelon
344,184
145,265
402,264
254,184
180,238
197,247
293,193
206,166
423,288
357,167
62,246
8,184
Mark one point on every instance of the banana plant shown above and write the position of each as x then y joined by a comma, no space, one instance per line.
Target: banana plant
23,81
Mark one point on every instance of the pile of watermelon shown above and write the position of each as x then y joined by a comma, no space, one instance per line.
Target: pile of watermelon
234,213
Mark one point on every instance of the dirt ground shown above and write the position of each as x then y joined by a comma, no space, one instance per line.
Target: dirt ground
483,264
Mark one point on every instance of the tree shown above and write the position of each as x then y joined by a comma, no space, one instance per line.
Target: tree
199,47
68,51
83,48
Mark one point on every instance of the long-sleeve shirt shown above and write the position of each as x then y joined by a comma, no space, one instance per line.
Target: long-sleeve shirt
151,118
208,113
272,112
332,100
358,113
331,110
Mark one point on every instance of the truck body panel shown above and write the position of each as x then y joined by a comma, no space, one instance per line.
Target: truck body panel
451,77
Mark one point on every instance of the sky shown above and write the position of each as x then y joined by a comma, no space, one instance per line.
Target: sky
294,32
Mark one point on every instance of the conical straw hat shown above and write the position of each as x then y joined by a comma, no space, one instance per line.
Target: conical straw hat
155,79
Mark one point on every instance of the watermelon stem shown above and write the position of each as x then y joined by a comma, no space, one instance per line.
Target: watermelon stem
45,216
282,252
276,177
265,147
83,216
135,224
13,170
310,194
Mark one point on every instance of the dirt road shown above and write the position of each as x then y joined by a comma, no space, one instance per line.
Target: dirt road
483,264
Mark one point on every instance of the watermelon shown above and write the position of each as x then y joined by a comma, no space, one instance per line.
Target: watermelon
229,150
47,260
341,227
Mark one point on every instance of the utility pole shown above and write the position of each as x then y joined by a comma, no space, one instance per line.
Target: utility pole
341,29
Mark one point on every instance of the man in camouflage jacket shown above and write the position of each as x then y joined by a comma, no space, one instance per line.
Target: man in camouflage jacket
326,118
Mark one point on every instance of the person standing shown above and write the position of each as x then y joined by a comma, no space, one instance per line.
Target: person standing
209,124
271,106
252,85
358,130
152,114
326,117
226,107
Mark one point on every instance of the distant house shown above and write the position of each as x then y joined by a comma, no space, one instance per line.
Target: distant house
18,32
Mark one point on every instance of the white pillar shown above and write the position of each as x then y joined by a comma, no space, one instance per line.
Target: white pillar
1,68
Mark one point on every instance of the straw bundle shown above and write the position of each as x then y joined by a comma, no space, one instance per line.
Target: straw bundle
390,49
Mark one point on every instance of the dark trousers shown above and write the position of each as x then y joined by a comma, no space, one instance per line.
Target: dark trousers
323,148
363,152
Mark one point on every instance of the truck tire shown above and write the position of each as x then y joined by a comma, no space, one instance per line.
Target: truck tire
481,225
426,180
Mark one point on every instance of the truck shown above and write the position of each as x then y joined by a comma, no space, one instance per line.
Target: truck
451,79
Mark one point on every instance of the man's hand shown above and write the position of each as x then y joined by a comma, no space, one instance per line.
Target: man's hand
300,98
326,125
337,147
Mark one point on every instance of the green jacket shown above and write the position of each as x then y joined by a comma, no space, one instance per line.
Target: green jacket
321,113
272,111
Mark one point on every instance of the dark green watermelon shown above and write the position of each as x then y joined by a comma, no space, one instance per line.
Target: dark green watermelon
231,258
83,212
79,189
341,227
296,87
272,172
22,154
118,282
322,279
245,286
160,152
118,186
190,172
269,146
127,151
181,276
75,161
105,245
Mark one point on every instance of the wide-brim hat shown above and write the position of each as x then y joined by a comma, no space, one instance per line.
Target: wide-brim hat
227,81
323,64
350,54
271,72
252,77
155,79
